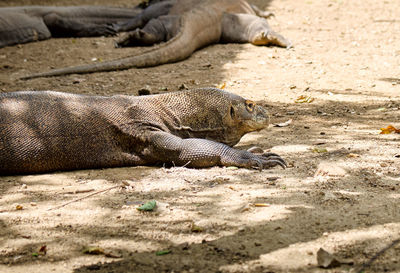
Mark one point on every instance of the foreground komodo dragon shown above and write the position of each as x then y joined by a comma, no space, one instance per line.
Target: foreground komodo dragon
33,23
43,131
189,25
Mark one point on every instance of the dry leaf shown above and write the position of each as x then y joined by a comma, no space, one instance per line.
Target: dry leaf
221,86
93,250
327,260
19,207
353,155
304,99
319,150
283,124
196,228
388,130
261,205
43,250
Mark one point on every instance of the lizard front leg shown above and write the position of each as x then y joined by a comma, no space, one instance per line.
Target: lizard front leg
70,27
198,153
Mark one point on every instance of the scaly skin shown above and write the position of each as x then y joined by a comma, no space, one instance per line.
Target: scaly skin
193,24
33,23
44,131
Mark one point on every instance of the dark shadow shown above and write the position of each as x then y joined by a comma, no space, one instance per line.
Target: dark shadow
392,80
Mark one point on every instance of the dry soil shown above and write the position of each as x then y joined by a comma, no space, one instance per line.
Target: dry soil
340,192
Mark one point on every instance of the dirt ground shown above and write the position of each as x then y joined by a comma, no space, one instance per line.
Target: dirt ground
346,57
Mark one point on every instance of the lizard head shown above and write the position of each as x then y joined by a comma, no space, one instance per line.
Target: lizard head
246,116
214,114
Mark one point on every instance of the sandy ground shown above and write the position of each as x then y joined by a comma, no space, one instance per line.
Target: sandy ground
346,57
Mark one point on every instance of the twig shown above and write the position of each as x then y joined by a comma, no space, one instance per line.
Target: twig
86,196
78,191
377,255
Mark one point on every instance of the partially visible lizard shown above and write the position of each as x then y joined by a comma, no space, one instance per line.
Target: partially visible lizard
33,23
185,25
45,131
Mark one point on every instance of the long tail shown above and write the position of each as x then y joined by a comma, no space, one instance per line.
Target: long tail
192,35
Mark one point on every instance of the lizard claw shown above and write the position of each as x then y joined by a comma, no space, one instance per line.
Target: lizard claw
266,161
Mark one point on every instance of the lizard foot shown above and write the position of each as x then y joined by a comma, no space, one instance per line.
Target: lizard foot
271,38
268,160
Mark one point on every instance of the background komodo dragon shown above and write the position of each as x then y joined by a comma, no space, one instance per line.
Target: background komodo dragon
44,131
192,24
32,23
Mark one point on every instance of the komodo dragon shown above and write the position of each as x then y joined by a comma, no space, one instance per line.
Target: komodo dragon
189,25
44,131
32,23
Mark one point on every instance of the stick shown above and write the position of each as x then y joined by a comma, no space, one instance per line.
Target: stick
376,256
78,191
81,198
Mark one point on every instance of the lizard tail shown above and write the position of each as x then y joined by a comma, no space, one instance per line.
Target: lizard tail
191,36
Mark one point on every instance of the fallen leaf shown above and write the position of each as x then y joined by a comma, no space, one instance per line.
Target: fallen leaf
149,206
93,250
245,208
327,260
196,228
273,178
319,150
19,207
388,130
163,252
43,250
351,155
304,99
111,255
261,205
283,124
221,86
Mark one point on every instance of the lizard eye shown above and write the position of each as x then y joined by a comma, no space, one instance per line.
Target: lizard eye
250,106
232,112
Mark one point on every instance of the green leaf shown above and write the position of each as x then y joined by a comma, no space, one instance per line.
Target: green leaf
163,252
149,206
35,254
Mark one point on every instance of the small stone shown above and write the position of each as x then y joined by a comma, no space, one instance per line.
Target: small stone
144,91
